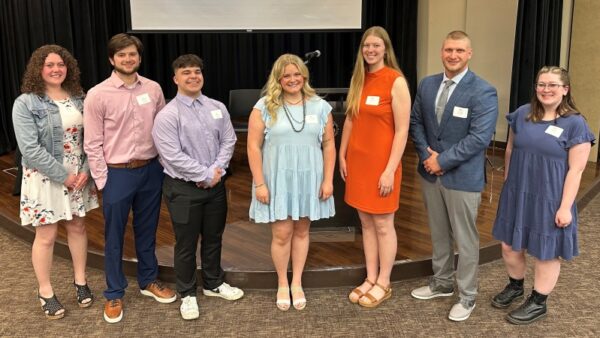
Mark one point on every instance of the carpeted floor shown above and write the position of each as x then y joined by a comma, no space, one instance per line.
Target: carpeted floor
573,307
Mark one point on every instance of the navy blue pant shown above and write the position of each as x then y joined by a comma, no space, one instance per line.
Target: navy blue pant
196,213
138,190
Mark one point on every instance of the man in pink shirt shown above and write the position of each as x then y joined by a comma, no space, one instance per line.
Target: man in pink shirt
118,119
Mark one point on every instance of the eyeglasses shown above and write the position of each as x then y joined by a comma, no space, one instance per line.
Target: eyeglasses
551,86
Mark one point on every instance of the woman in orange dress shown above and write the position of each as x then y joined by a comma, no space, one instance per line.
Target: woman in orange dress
373,141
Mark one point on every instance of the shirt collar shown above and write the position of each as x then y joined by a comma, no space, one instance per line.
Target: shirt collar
189,101
117,82
457,78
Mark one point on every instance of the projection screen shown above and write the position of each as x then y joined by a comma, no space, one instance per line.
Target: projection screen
245,15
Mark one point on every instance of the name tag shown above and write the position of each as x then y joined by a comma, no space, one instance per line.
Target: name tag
372,101
554,131
143,99
216,114
311,119
460,112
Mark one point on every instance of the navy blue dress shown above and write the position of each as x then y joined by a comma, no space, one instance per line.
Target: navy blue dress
533,190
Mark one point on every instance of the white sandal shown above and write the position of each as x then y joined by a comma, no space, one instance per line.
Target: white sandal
299,303
283,304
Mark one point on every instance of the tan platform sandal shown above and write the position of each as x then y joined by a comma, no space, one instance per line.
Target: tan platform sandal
372,301
359,293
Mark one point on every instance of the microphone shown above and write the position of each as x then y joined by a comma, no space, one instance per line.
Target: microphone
311,55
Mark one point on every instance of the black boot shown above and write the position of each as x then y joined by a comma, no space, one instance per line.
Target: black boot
512,292
534,308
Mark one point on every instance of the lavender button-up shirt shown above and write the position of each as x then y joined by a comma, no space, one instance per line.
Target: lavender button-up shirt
193,136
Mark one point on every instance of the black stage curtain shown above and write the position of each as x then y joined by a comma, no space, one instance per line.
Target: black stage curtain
537,44
232,60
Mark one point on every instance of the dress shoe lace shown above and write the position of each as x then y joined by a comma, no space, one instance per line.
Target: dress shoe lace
159,285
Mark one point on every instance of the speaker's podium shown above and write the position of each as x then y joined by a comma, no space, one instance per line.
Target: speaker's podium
346,218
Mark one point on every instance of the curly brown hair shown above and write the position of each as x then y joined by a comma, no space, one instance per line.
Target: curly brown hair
32,78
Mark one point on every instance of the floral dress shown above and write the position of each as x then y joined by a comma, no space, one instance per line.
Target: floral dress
44,201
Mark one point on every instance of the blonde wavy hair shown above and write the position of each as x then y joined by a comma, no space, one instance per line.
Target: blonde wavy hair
273,92
358,75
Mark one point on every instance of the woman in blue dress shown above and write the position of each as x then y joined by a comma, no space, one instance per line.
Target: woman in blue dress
548,147
291,152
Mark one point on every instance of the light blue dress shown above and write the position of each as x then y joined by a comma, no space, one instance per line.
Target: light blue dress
293,164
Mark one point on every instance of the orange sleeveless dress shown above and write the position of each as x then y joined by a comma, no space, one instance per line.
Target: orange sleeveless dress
370,146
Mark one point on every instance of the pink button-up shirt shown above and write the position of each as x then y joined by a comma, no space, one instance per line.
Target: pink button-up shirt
118,123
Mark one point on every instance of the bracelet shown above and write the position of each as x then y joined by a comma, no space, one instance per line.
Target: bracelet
258,185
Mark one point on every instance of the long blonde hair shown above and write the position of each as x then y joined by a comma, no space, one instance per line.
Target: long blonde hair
273,91
358,75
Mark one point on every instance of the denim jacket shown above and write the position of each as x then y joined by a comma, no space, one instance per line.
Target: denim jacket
39,132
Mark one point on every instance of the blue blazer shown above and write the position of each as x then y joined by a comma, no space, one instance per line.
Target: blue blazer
460,140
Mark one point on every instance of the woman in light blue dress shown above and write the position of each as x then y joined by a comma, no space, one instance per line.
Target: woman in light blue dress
291,151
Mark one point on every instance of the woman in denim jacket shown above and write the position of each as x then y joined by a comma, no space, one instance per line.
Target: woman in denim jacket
48,123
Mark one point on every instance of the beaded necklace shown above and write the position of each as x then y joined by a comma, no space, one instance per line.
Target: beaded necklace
291,118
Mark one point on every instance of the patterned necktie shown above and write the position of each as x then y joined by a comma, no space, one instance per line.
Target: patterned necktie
441,104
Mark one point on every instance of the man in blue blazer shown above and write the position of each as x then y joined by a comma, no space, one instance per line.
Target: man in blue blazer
452,122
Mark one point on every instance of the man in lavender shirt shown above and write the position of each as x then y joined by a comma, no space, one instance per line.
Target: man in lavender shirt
195,139
118,119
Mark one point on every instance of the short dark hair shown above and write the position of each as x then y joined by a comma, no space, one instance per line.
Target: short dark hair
122,40
188,60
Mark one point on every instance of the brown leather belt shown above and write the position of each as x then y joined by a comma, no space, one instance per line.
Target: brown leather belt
133,164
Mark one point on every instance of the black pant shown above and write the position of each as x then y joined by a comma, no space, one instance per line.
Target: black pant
196,212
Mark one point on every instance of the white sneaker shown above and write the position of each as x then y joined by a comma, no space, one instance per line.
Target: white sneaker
426,292
189,308
461,311
225,291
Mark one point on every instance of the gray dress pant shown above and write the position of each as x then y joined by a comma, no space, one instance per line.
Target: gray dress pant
452,218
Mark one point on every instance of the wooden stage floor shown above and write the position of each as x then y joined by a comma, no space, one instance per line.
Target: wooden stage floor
335,256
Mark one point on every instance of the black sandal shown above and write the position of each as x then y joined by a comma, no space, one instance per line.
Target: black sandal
51,306
85,298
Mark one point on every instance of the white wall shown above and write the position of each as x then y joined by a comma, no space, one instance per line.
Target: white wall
491,26
584,63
